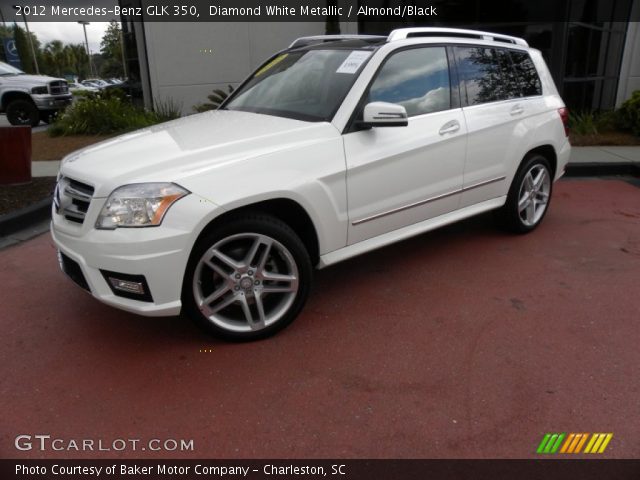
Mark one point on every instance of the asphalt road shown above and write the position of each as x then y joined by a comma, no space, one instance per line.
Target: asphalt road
465,342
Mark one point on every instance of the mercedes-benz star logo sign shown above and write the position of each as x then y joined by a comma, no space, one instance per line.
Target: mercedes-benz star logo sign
11,48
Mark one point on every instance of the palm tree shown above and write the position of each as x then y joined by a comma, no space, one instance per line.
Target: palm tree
55,56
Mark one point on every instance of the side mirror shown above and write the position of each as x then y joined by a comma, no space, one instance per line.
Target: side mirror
384,114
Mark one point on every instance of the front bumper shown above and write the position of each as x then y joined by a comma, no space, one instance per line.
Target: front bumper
52,102
160,254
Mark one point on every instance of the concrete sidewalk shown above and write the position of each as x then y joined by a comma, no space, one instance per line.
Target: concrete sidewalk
579,156
605,155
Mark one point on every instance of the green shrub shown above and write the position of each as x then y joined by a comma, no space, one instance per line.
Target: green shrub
215,100
167,109
82,94
628,115
101,114
583,123
606,121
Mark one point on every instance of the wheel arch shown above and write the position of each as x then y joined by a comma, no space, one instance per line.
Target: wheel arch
285,209
12,95
547,151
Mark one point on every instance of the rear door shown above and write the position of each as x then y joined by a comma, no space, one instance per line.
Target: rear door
398,176
495,109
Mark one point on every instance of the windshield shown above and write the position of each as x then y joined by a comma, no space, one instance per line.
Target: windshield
305,85
6,69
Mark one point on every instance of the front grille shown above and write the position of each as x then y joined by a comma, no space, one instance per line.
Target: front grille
59,87
73,271
72,199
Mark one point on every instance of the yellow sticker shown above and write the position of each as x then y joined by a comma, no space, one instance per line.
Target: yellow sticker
273,62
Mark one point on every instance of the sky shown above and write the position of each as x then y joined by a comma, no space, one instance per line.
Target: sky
68,32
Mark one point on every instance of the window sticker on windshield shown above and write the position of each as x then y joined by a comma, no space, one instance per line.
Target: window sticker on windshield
272,63
352,62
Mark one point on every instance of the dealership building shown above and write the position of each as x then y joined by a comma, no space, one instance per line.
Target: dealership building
594,58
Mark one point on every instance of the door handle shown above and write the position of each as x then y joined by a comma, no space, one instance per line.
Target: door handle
516,110
449,127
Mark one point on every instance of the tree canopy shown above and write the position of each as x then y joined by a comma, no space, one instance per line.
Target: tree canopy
58,59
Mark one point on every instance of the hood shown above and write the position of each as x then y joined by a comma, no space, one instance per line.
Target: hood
189,146
28,80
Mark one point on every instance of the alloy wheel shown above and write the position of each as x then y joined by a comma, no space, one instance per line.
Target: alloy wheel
245,282
534,193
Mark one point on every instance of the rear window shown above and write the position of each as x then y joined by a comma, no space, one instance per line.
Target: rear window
527,74
490,74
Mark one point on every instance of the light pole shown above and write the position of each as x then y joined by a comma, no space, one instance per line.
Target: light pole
124,61
86,43
33,50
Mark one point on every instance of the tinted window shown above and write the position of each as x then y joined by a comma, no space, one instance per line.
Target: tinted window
480,73
526,71
418,79
509,75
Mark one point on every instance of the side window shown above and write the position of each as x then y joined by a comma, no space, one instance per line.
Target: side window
509,75
526,71
480,73
417,78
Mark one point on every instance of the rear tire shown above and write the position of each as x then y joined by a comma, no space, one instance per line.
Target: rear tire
23,112
529,195
247,279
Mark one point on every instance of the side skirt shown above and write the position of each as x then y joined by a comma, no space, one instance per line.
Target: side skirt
408,231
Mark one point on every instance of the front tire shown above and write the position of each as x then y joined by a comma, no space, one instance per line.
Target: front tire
247,279
23,112
529,196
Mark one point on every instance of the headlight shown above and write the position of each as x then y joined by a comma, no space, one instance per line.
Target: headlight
39,90
139,205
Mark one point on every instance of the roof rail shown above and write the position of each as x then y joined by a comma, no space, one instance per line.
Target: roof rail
316,39
403,33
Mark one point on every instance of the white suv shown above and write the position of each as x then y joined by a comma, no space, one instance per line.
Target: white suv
333,147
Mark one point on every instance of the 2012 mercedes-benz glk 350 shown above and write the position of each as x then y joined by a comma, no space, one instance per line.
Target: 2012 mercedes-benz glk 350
333,147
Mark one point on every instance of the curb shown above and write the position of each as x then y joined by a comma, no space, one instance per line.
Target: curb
602,169
25,217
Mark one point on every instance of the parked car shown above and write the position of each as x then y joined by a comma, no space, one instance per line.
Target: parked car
96,82
78,87
28,99
334,147
91,84
130,89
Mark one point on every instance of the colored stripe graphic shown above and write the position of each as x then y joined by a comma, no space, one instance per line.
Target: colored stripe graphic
583,439
567,443
543,443
550,443
598,442
573,442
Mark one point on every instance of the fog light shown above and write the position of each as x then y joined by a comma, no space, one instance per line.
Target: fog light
127,286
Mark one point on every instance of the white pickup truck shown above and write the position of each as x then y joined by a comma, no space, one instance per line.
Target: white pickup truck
28,99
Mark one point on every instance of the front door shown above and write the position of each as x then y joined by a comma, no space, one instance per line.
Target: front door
398,176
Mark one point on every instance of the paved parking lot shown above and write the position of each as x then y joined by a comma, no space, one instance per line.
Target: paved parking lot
465,342
5,123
